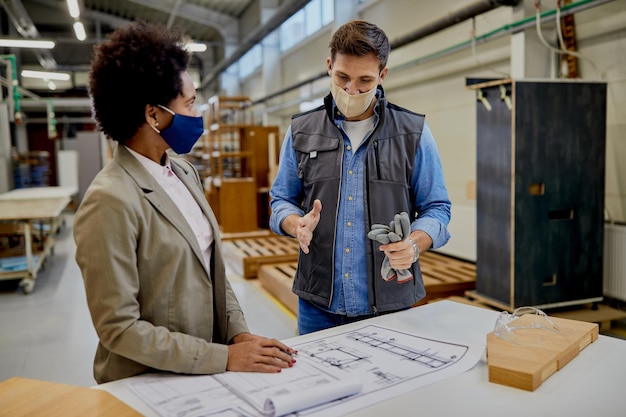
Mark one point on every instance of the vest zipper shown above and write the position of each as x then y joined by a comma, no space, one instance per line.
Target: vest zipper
332,275
377,159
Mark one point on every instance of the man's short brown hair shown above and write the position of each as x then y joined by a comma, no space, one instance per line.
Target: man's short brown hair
360,38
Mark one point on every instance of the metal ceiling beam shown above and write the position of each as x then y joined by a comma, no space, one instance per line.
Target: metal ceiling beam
113,21
173,13
25,26
226,25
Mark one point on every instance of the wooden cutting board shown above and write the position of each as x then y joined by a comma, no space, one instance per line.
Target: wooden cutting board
536,353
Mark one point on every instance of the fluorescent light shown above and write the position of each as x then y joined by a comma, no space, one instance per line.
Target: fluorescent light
79,30
45,75
72,6
25,43
195,47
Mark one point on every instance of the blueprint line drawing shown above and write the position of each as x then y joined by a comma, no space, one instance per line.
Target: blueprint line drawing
343,356
382,359
370,363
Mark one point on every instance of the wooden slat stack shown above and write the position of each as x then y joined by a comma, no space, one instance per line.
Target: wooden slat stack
244,256
443,276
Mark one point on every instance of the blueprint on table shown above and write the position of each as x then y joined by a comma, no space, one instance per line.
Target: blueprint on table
382,362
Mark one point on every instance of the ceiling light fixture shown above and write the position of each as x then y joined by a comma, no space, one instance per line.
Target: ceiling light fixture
79,31
72,6
195,47
26,43
45,75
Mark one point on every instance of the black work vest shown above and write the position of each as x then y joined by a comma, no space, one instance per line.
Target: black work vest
389,163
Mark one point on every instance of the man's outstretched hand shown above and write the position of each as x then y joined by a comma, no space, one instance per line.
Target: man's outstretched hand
307,224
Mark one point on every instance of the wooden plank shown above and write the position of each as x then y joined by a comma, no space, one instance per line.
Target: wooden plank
277,279
462,300
602,314
445,276
246,235
245,256
27,397
535,354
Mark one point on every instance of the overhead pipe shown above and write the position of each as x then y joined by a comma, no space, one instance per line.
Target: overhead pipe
438,25
452,19
14,94
511,28
284,12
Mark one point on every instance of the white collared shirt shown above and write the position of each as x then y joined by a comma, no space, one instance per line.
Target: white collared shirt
183,199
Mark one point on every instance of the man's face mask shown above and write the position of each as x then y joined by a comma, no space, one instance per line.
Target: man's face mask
183,132
351,105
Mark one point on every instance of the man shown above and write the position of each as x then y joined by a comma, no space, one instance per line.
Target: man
354,162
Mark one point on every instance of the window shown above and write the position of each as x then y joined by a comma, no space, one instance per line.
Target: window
328,11
306,22
292,31
250,62
313,14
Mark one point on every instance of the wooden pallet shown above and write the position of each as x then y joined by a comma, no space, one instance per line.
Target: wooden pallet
443,276
244,256
260,233
601,314
277,279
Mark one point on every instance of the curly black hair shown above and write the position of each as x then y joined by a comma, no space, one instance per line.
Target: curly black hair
140,64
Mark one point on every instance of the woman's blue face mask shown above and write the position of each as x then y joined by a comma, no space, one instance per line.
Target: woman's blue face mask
183,132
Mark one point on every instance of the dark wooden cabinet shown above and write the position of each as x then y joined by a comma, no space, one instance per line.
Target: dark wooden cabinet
540,192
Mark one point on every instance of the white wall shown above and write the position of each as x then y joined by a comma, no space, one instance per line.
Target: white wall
437,87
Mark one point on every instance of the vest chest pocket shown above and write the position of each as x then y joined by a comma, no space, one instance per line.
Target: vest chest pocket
318,157
392,160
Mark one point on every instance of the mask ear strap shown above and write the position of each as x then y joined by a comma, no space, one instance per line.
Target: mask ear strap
166,109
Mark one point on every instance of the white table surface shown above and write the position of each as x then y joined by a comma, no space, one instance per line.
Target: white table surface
35,193
592,385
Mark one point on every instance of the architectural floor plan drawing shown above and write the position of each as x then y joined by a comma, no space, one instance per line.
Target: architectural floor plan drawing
356,348
333,375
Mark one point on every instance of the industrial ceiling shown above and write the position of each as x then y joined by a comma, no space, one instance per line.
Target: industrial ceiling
212,22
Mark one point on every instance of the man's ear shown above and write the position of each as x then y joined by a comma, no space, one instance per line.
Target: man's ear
383,74
329,65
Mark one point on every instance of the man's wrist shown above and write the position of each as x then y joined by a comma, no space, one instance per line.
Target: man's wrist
416,251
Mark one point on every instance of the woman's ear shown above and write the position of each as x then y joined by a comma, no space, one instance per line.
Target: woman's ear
151,116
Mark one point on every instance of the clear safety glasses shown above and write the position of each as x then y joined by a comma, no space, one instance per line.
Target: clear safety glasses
524,326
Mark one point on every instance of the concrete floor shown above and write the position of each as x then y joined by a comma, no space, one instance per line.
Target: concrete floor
48,334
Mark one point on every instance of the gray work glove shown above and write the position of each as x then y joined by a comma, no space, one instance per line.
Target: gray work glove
399,228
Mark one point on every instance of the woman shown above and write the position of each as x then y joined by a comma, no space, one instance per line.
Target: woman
147,241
